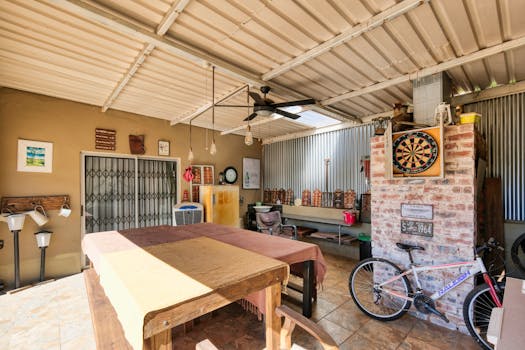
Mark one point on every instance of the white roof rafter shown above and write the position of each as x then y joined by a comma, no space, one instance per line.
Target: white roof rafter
441,67
166,22
374,22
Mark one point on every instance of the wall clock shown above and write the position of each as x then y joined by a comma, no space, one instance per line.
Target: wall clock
230,175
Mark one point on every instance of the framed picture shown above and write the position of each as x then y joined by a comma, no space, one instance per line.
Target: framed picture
251,173
164,148
35,156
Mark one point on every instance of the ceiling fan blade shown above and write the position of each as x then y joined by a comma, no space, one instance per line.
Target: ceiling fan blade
287,114
309,101
258,99
250,117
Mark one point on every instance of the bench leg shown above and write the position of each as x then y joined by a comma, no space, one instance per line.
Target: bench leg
160,341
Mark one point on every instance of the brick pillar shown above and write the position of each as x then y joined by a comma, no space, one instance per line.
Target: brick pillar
454,211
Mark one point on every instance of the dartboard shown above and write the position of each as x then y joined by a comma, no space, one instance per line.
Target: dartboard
414,152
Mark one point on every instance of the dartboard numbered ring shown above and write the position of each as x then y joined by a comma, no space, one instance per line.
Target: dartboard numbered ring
414,152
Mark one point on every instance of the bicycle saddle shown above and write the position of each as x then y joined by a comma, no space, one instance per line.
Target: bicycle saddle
408,247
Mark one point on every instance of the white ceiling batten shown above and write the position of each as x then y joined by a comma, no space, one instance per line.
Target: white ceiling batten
490,51
171,16
128,75
167,21
374,22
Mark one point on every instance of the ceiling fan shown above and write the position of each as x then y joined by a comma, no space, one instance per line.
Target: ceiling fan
265,107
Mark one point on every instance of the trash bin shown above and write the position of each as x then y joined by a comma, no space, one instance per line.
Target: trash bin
365,246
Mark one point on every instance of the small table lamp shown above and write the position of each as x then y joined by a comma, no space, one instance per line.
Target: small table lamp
15,222
42,240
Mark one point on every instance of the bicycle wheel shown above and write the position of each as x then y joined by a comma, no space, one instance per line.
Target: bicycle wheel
384,303
476,313
517,252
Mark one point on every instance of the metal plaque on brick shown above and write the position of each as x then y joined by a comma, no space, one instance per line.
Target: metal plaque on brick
418,228
417,211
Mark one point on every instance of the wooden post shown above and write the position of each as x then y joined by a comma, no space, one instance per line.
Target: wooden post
160,341
273,322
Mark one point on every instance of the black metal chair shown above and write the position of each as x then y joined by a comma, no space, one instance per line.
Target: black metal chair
271,223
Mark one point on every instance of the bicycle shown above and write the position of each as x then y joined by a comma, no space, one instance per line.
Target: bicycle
382,290
517,252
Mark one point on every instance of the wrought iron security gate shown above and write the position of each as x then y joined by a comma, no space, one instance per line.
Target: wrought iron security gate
121,192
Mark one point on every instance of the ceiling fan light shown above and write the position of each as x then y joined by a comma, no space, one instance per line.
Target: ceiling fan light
248,138
213,148
264,112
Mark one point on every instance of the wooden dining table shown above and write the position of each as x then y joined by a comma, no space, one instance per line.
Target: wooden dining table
158,287
171,275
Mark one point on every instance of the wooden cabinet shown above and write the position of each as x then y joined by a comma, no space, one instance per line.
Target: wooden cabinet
221,204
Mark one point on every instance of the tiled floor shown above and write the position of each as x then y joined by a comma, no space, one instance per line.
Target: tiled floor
56,316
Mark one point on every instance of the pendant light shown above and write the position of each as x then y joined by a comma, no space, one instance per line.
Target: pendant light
190,153
248,138
213,147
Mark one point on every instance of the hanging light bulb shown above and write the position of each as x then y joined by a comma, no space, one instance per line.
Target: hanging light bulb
213,148
248,138
190,153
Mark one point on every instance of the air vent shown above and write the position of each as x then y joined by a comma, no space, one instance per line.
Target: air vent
430,91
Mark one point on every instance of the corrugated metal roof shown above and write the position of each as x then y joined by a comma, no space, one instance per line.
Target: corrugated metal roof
61,48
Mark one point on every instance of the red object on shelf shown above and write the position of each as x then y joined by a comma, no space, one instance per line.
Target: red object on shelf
349,217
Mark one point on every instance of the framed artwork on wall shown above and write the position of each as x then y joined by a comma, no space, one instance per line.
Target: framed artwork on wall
251,173
35,156
164,148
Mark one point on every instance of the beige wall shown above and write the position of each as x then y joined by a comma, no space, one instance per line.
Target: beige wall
70,126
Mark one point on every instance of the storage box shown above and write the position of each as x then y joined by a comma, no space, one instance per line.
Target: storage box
469,118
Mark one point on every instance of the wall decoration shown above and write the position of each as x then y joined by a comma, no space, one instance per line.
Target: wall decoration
366,209
418,228
105,139
164,148
417,211
251,173
35,156
136,144
418,153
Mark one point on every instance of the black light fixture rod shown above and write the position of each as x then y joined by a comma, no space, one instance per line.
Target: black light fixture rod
42,263
17,259
213,101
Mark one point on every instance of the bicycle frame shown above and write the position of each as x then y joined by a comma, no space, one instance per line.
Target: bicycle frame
474,267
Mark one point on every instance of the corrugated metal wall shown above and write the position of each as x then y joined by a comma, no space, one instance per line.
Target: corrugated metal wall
299,163
503,125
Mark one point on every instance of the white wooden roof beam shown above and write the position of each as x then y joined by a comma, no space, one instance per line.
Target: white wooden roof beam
374,22
171,16
478,55
486,94
128,75
171,45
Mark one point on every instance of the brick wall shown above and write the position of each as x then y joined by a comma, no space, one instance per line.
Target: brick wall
454,220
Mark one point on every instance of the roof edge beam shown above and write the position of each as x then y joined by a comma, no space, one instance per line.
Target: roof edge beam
499,91
490,51
374,22
310,132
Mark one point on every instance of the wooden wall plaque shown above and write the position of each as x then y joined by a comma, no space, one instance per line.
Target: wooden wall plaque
105,139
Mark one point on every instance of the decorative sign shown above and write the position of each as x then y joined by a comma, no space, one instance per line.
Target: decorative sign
136,144
419,228
105,139
417,211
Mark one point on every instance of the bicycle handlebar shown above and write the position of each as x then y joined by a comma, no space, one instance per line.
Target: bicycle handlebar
489,245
